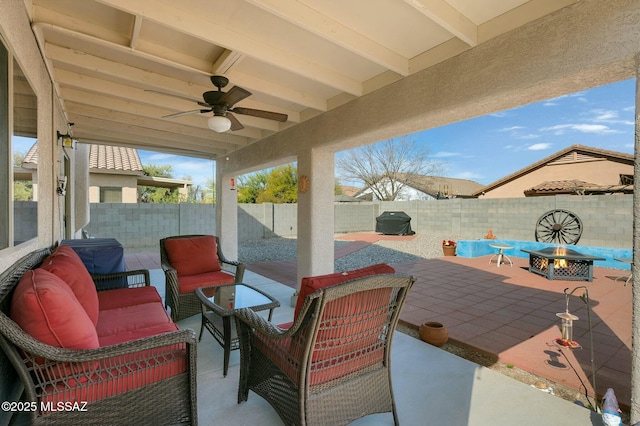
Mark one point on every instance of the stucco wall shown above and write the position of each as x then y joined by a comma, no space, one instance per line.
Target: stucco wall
129,185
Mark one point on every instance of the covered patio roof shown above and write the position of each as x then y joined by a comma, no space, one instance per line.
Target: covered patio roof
115,62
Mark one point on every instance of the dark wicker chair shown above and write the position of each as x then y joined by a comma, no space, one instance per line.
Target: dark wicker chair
184,305
332,365
145,381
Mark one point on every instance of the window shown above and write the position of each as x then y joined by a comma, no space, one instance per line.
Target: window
18,139
110,194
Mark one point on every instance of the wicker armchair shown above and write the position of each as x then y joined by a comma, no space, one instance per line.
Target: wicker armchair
333,365
185,304
146,381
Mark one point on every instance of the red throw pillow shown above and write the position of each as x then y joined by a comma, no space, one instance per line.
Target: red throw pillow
192,256
46,308
310,284
65,263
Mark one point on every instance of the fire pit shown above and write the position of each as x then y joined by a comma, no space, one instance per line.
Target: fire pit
560,263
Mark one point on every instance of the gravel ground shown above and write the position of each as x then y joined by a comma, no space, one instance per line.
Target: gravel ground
387,251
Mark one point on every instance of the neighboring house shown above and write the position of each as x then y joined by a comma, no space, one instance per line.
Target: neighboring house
420,187
350,191
28,170
115,173
577,170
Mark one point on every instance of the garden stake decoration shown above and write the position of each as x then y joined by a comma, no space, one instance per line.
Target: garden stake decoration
566,328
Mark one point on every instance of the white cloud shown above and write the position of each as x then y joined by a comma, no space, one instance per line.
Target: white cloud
515,132
539,146
610,117
528,136
510,129
445,154
468,175
561,129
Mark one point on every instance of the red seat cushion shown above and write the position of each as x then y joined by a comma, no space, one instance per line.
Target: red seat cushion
309,285
191,256
46,308
67,265
122,297
134,334
131,319
189,283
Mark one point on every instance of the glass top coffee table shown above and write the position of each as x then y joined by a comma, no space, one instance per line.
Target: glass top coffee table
218,306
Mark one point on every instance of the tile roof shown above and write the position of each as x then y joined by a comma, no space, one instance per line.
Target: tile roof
30,160
433,185
575,187
114,158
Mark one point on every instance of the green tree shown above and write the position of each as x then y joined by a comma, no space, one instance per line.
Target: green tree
281,187
208,193
278,185
251,186
152,194
22,190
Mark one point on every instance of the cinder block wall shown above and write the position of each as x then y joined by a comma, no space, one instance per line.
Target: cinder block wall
607,219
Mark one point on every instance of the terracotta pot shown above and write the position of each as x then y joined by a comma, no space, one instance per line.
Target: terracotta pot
449,250
434,333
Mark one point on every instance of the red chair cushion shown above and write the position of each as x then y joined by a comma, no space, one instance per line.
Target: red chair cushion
67,265
191,256
123,297
188,284
309,285
46,308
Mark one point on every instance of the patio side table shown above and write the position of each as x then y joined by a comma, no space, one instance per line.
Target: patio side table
219,303
630,276
501,256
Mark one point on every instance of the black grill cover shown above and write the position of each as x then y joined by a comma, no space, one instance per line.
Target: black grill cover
394,223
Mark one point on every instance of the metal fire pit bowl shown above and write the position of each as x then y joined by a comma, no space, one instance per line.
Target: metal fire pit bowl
560,263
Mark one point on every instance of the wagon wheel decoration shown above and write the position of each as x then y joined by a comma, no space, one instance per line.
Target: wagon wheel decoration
559,226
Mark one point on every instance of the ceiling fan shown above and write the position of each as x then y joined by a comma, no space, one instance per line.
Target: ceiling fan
221,104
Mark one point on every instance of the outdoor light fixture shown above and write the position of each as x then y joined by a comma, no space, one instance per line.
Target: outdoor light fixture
66,140
219,123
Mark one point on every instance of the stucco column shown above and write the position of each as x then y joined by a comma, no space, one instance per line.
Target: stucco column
635,266
226,213
315,213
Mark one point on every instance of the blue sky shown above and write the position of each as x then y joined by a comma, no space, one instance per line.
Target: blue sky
488,148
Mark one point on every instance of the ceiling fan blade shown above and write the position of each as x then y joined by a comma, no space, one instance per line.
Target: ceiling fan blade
172,95
235,95
193,111
235,124
262,114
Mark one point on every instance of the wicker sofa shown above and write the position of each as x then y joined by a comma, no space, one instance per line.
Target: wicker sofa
72,354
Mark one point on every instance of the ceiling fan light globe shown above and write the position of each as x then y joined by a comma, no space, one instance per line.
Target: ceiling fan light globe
219,124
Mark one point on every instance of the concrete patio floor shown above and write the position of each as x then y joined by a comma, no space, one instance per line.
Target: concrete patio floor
429,383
